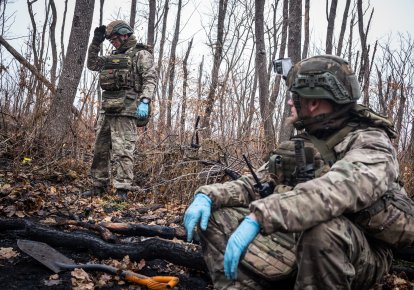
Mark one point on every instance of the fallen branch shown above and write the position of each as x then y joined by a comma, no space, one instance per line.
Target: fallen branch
145,230
105,233
187,255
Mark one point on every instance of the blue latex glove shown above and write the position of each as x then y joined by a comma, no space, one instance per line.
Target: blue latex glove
142,110
245,233
198,211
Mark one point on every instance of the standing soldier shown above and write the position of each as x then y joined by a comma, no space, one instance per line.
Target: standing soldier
128,80
344,206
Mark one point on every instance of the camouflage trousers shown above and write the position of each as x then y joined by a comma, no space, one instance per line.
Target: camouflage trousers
332,255
114,149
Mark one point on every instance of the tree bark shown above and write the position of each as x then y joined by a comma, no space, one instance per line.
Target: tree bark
58,119
306,28
294,51
343,28
184,100
331,26
161,100
211,98
171,67
53,43
133,13
151,22
261,72
62,44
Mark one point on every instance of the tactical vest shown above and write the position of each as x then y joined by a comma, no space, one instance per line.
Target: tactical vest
122,84
391,218
120,71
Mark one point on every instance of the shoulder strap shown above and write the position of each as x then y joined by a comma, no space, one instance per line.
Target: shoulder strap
141,46
325,147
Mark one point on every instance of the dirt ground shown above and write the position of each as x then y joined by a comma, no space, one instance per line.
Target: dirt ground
33,197
25,273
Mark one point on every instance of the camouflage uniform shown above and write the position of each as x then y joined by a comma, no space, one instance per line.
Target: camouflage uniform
356,167
116,134
331,251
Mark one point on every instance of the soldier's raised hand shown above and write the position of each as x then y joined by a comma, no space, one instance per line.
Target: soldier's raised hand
99,34
199,211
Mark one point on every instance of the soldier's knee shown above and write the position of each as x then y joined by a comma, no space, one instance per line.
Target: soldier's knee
324,235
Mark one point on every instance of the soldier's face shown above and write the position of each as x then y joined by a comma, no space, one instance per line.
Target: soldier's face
117,40
293,113
304,110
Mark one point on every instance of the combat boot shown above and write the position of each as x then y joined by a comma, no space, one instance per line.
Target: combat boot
122,194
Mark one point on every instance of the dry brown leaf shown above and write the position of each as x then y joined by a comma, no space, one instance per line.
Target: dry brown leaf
8,253
5,186
81,280
103,280
20,214
49,221
10,210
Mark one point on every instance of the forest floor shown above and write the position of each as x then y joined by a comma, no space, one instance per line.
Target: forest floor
52,197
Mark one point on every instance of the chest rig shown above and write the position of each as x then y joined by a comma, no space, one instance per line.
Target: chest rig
120,71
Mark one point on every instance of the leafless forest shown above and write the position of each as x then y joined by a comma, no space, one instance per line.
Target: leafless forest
49,101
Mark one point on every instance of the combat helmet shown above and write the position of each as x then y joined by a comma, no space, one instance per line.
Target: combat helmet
118,27
324,77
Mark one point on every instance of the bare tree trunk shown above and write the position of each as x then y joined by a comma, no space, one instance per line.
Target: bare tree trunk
215,71
331,25
282,50
294,45
364,68
161,100
62,45
34,33
151,22
381,99
184,100
351,30
133,13
261,72
171,70
53,43
59,119
343,28
200,77
400,114
306,27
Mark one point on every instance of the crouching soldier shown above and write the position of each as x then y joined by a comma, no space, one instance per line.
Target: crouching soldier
334,209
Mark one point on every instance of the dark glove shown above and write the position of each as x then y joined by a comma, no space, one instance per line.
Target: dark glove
99,34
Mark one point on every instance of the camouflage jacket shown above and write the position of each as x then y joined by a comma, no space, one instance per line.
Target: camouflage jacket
145,71
368,168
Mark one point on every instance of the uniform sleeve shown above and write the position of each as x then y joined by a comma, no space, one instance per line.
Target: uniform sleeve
146,68
368,169
94,61
238,192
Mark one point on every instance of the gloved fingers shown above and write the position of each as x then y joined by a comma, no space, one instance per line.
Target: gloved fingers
231,261
205,216
189,224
